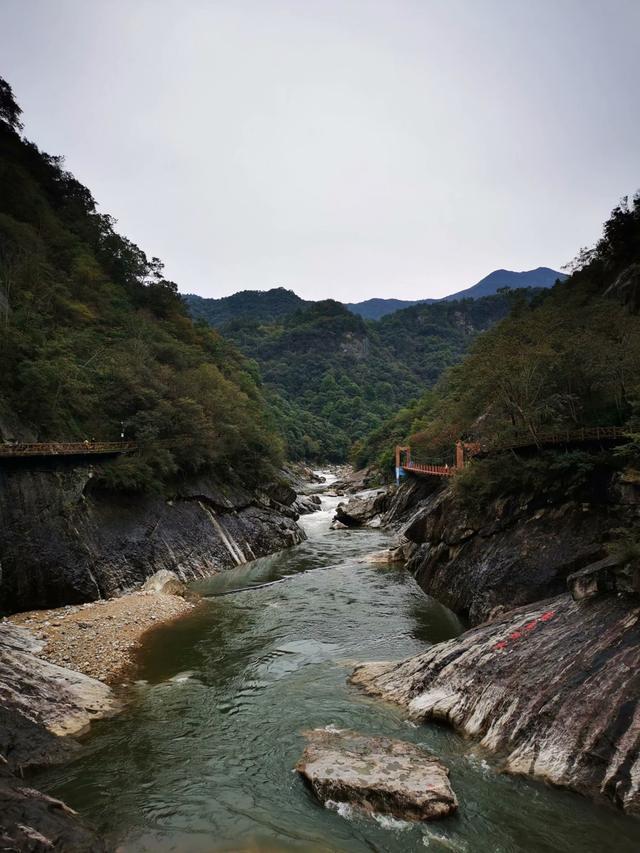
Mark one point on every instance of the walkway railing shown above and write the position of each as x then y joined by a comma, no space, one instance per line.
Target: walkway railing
433,470
66,448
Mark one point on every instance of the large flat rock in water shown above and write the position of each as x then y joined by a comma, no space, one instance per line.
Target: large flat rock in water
376,774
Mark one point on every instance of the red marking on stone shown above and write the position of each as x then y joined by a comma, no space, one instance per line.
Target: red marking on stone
515,635
531,625
501,645
546,616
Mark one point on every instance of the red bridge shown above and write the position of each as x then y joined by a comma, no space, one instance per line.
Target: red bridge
467,450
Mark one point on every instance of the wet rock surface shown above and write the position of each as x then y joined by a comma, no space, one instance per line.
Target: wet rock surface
32,821
376,774
65,542
554,687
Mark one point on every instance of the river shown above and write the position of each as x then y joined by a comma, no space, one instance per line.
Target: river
202,758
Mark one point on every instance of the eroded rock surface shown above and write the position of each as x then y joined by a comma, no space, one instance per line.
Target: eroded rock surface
62,700
554,686
376,774
512,551
65,542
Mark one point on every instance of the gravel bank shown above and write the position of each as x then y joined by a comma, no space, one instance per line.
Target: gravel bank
99,638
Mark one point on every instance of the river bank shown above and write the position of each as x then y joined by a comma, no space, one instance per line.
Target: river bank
99,639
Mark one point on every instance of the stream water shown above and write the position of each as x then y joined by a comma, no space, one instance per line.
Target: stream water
202,759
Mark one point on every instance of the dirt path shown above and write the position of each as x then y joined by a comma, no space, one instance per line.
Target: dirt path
99,638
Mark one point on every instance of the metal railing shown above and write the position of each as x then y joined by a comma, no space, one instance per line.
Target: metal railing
433,470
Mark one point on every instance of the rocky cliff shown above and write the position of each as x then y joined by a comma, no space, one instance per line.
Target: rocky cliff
483,560
65,541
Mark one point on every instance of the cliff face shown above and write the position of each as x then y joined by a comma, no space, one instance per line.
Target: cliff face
514,550
63,541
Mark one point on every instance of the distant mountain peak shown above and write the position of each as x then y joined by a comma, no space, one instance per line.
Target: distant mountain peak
374,309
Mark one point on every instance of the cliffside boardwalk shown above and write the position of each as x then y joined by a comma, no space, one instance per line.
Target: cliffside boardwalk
467,450
65,448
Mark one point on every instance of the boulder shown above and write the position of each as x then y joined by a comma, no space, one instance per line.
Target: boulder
376,774
166,582
306,504
360,511
554,686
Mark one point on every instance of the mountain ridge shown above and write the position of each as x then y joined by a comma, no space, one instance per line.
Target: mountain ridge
540,277
277,302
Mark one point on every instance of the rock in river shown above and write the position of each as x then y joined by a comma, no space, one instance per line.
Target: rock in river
362,510
376,774
554,687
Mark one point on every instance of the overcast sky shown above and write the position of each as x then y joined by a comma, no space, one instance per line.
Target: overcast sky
342,149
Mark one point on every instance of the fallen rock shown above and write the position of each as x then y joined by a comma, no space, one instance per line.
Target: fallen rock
356,481
164,581
376,774
554,686
611,574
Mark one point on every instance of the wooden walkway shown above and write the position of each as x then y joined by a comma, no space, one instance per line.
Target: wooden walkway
65,448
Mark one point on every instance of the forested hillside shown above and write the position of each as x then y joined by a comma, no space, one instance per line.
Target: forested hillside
263,305
332,377
568,359
95,340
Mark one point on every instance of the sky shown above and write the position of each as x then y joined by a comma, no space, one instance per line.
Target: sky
345,150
